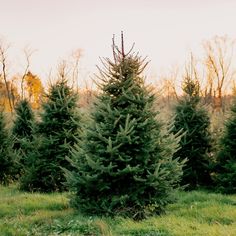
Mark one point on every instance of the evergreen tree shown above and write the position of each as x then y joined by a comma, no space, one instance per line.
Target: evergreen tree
55,134
195,145
22,126
225,176
7,156
22,131
123,164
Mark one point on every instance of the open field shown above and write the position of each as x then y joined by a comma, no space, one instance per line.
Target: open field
195,213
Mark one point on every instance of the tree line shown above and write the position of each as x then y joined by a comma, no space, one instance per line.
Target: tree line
214,68
119,157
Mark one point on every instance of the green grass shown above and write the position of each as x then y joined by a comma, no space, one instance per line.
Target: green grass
196,213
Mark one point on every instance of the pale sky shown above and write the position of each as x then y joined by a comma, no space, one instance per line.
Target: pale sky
163,30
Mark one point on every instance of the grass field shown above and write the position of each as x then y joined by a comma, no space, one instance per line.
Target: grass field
195,213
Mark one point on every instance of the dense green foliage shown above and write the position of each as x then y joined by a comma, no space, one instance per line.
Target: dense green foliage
225,175
195,145
22,132
22,126
124,161
7,155
54,136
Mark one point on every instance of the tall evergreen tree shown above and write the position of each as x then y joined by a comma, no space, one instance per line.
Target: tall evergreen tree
7,156
55,134
123,164
195,145
225,176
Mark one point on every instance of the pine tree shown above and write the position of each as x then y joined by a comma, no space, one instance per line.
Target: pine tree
7,156
225,176
123,164
55,134
195,145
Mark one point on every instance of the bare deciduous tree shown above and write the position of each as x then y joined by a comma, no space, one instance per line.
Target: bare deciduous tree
219,54
76,56
27,54
192,73
168,85
62,70
4,71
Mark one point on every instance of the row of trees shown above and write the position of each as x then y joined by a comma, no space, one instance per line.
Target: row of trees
215,70
19,86
122,158
24,84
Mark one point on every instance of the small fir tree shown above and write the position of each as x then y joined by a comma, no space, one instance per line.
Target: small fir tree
22,126
123,164
22,131
195,145
7,156
225,176
55,134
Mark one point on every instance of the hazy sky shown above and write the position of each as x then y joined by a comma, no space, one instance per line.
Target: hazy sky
164,30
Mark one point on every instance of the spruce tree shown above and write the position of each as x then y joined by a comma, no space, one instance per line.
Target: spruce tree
22,126
225,176
7,156
54,136
123,163
192,120
22,131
